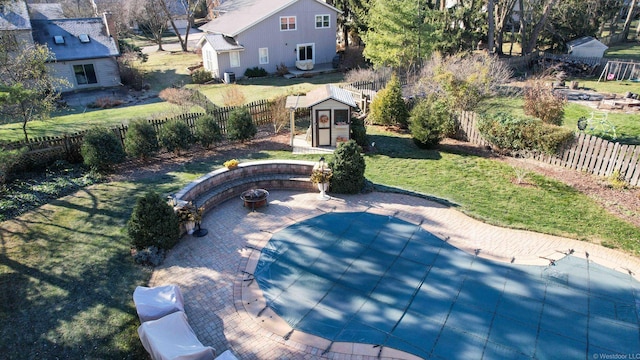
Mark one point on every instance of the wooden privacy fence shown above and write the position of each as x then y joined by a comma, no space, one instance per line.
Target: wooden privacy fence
586,153
46,149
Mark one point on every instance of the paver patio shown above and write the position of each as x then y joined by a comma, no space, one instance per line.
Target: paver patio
226,309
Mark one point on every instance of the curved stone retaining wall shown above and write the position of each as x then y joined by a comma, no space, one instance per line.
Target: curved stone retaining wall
223,184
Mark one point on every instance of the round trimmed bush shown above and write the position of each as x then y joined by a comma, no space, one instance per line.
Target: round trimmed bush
208,131
153,223
141,140
430,122
175,135
101,149
348,169
240,126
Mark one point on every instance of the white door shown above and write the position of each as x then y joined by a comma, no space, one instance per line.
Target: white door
306,52
323,124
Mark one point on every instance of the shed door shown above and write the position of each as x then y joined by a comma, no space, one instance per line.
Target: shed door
323,124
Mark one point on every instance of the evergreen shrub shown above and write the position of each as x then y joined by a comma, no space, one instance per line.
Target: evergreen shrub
175,135
141,140
348,168
208,131
240,126
153,223
430,122
101,149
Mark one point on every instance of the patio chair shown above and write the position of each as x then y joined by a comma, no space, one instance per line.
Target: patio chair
156,302
171,338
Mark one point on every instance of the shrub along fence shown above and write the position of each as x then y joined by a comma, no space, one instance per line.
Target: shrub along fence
47,149
586,153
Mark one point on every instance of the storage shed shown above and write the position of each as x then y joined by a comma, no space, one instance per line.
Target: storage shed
331,109
586,46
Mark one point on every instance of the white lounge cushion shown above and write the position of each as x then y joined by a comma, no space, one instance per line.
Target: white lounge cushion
171,338
156,302
304,64
227,355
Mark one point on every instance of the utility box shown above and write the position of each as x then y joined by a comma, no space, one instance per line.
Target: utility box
229,77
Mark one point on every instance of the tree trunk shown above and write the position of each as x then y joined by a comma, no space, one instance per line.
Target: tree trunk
523,24
533,37
183,43
492,26
627,22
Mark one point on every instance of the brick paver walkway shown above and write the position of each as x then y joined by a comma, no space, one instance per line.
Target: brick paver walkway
226,309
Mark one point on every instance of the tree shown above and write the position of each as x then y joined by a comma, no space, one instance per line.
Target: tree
153,223
503,11
28,88
398,35
151,18
536,13
430,121
190,7
630,15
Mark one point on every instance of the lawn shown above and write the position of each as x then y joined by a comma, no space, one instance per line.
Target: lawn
67,274
267,88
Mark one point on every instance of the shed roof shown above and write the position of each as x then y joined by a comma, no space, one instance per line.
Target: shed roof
221,43
318,95
14,16
238,15
100,44
583,41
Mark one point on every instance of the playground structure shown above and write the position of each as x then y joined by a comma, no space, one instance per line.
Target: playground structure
620,70
598,124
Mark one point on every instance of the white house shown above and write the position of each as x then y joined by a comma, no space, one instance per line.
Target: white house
586,46
268,34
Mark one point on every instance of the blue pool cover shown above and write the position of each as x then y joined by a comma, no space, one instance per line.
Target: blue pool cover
366,278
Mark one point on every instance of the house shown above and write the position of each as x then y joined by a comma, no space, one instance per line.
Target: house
268,34
331,109
15,27
586,46
84,50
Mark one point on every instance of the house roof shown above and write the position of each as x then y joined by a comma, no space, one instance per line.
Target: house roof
583,41
221,43
318,95
14,16
238,15
100,44
46,11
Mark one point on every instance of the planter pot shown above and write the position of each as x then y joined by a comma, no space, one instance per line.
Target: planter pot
323,187
189,226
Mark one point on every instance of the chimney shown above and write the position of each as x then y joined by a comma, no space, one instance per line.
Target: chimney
107,17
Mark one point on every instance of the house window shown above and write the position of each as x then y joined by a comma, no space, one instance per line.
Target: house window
263,55
234,59
84,38
85,74
287,23
322,22
58,40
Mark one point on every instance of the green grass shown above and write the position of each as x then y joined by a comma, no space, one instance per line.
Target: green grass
612,87
67,275
71,123
165,69
268,88
629,51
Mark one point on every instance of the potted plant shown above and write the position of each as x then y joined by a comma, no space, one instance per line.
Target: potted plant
189,215
231,164
321,175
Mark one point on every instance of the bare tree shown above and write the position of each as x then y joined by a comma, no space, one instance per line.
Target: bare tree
630,15
547,6
150,17
189,7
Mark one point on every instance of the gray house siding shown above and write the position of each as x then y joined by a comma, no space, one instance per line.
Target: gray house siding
106,71
281,45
